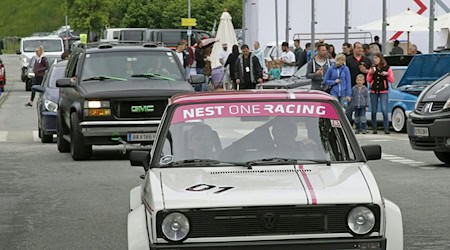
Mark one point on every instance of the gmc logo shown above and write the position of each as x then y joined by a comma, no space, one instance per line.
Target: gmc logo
142,109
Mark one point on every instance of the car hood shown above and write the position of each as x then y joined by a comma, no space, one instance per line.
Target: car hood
292,82
133,88
438,92
263,186
426,68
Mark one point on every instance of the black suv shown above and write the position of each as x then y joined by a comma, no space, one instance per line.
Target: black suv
116,94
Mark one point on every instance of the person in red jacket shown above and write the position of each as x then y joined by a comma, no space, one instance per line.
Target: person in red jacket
379,77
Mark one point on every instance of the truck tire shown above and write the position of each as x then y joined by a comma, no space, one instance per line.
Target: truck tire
78,149
63,145
444,157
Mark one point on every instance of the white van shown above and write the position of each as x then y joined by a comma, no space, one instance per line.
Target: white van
111,35
53,49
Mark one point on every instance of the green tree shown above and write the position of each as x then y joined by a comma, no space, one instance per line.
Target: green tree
89,15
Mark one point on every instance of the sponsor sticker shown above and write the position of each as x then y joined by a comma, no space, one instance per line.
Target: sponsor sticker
217,110
336,124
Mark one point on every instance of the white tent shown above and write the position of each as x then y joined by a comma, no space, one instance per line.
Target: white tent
225,34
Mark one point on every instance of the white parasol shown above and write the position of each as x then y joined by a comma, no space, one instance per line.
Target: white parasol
225,34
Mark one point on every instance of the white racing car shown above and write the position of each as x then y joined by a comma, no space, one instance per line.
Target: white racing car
259,170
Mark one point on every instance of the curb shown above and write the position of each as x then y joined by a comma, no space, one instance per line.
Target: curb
5,94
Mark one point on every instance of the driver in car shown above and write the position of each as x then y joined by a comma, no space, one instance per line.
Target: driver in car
284,132
201,142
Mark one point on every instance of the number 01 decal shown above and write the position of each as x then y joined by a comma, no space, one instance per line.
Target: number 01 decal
206,187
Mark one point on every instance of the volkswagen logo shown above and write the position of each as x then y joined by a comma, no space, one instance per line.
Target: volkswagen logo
269,221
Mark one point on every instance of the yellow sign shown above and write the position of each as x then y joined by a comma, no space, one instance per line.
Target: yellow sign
188,22
83,38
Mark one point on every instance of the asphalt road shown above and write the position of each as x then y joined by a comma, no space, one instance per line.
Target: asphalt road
48,201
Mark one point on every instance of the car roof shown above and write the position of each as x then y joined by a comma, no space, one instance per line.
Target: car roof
126,48
251,95
42,38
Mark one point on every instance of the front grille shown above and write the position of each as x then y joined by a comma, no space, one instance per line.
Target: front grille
422,121
261,221
150,109
428,142
420,106
435,106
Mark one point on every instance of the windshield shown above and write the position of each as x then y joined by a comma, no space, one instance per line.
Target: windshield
243,132
55,74
129,65
302,71
49,45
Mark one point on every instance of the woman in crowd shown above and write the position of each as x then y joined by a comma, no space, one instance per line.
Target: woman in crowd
232,62
379,77
338,78
331,51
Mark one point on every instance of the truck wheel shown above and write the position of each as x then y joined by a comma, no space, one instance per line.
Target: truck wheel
63,145
444,157
399,120
78,149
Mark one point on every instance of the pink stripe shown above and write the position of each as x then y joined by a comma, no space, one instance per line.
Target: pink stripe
309,185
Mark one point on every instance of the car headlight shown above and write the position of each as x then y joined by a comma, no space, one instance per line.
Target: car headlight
361,220
50,106
175,226
25,59
96,104
447,104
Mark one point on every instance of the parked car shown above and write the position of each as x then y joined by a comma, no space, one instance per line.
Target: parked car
259,170
421,72
53,48
428,126
2,76
47,101
113,95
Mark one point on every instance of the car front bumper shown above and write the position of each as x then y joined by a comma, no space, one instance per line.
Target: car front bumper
107,132
438,134
48,122
323,244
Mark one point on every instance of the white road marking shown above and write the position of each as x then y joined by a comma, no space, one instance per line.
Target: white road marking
3,136
402,160
36,136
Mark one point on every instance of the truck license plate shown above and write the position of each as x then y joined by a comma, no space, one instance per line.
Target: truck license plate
141,136
421,131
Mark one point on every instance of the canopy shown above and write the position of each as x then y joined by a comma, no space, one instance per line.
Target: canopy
225,34
405,21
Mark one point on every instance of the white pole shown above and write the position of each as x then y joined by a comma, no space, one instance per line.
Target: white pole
313,24
276,28
383,28
346,22
243,21
189,28
431,27
287,21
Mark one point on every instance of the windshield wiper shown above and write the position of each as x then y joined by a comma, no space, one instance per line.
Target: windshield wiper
103,77
196,162
151,75
278,160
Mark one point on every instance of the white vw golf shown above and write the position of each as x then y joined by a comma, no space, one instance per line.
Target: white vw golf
259,170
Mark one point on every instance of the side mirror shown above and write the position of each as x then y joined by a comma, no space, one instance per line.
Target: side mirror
18,52
372,152
64,83
37,88
197,79
140,159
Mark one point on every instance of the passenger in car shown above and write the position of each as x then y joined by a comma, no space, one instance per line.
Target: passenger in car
285,132
203,142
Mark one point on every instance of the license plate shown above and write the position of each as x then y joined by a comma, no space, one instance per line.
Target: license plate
421,131
141,136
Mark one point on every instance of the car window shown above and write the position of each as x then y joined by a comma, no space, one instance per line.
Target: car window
55,74
49,45
241,132
127,64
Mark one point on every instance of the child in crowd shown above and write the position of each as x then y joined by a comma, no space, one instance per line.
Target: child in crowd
274,70
360,95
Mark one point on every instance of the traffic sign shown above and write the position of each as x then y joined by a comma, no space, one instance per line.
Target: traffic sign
188,22
83,38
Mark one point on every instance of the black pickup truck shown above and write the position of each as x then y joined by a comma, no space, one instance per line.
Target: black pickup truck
116,94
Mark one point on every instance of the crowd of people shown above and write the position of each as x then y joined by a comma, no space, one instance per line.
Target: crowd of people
356,76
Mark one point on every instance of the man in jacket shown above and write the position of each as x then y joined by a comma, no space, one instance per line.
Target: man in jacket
248,70
317,67
300,55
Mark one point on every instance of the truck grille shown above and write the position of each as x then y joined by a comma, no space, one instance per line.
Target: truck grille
261,221
145,109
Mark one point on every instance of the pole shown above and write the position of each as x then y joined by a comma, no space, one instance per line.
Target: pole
243,22
189,28
313,24
66,42
287,21
431,28
276,28
383,28
346,22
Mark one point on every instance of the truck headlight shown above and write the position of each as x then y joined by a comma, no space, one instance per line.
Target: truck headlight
96,104
50,106
446,105
175,226
361,220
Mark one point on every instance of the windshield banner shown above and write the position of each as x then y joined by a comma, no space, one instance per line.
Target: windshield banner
217,110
